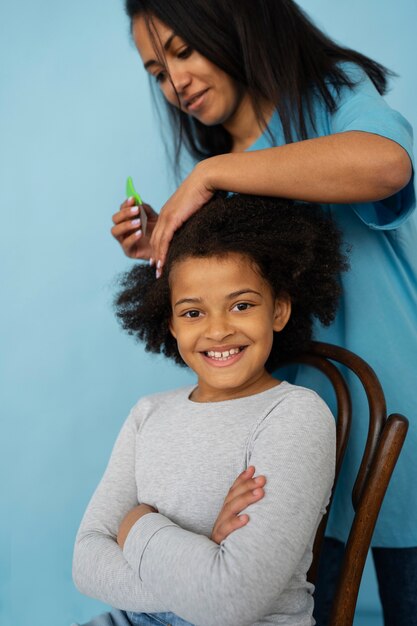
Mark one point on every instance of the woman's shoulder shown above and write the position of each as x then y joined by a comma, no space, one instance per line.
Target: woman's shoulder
353,71
357,83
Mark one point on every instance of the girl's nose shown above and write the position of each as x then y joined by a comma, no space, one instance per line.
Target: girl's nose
218,329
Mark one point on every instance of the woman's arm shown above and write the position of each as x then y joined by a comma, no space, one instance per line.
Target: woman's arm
241,580
347,167
342,168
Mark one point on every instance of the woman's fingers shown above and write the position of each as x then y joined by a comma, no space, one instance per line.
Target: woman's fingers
131,243
162,235
193,193
119,231
126,212
127,229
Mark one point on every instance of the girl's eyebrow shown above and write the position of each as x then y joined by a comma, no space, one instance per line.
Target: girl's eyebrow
188,301
234,294
229,296
166,47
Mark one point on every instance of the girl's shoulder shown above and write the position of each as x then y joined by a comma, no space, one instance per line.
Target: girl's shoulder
161,400
296,404
302,396
296,416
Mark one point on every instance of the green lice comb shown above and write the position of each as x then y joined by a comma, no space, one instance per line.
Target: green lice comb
132,193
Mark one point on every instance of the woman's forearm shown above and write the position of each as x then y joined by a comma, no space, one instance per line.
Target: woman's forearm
342,168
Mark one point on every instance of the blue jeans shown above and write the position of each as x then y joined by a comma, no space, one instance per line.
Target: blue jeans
122,618
157,619
396,570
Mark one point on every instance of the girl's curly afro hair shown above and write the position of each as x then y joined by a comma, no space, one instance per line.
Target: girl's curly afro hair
296,248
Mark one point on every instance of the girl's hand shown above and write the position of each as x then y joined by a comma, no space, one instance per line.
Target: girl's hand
191,195
127,229
130,519
245,491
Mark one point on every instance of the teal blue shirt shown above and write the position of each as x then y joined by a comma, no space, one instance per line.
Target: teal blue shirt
377,317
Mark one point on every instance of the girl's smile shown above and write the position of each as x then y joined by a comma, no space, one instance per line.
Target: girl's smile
223,317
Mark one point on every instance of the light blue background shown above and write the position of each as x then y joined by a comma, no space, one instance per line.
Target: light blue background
75,119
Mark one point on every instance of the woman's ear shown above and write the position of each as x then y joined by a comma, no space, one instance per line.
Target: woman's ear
282,313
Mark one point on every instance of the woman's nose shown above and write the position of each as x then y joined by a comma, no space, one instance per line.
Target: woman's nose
180,78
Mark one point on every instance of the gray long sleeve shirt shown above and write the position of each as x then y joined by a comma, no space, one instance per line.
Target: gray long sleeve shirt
182,457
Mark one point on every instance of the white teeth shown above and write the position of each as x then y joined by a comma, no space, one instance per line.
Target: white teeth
223,355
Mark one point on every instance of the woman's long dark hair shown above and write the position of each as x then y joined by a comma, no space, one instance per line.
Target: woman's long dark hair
271,48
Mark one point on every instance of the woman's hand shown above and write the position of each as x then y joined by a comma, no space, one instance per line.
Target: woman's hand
127,229
193,193
130,520
245,491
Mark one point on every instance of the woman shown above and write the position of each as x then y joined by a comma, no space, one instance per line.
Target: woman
267,104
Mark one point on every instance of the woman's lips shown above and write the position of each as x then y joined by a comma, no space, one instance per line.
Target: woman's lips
196,102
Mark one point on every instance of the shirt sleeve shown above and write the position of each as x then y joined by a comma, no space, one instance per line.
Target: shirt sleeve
238,581
364,109
100,569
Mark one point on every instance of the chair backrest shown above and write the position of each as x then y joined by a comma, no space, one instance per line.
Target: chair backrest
382,449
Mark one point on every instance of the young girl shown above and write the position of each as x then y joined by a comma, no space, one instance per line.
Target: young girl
244,278
268,104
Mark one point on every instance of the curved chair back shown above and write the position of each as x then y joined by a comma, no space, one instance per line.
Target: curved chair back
383,446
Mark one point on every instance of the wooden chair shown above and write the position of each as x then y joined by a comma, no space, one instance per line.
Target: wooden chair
384,442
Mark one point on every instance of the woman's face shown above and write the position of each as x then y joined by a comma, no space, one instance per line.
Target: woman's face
188,80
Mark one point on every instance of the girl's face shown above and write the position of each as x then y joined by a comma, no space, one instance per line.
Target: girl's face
223,318
186,78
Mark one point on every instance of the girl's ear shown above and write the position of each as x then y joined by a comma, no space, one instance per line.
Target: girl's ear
282,313
171,329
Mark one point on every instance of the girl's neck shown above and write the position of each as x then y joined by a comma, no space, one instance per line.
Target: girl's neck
244,126
202,394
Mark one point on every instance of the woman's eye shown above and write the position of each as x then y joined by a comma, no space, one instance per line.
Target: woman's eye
192,314
159,77
184,53
242,306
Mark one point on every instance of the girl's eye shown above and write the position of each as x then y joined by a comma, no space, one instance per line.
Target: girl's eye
242,306
192,314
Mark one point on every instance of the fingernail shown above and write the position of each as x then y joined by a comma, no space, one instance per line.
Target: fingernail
258,480
135,222
151,261
134,209
159,265
158,273
138,233
257,492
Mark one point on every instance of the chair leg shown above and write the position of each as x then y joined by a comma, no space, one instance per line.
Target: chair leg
380,471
